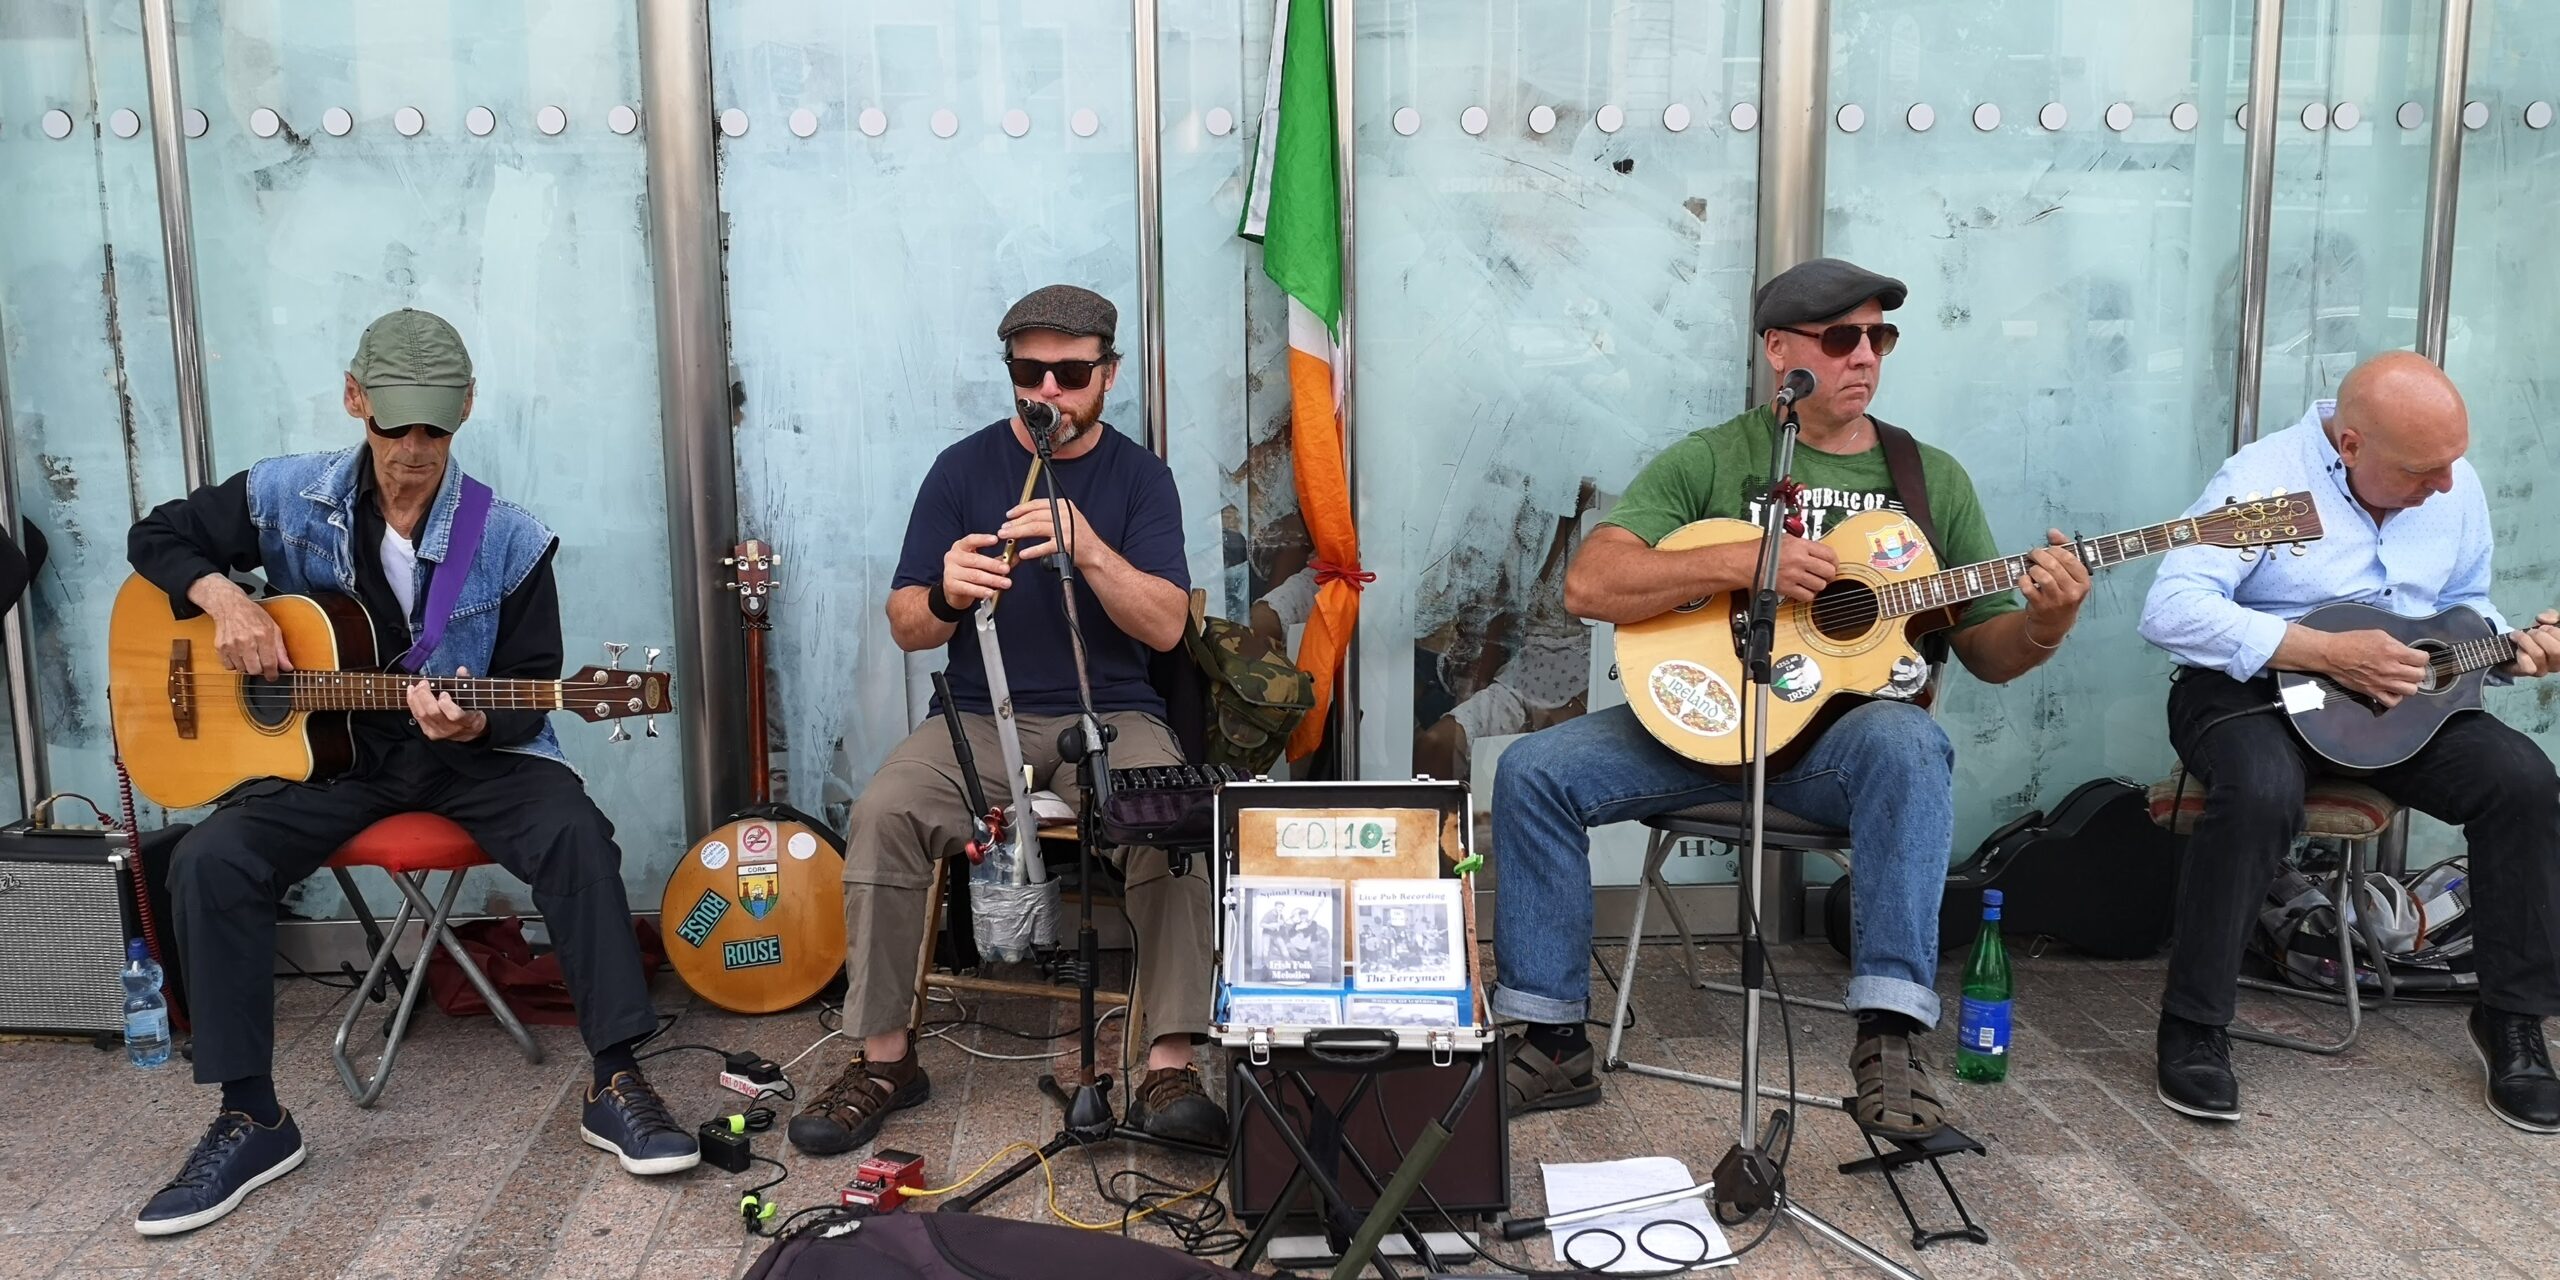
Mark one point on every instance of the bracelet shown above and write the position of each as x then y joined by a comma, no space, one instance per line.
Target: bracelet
2029,632
942,609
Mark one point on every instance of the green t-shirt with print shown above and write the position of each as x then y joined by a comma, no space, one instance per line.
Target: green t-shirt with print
1723,471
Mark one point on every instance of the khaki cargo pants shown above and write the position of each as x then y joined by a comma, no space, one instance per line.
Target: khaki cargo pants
914,812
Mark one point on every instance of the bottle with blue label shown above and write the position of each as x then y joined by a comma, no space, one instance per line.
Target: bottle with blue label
1982,1030
146,1012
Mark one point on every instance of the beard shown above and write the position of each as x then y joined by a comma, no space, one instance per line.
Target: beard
1075,424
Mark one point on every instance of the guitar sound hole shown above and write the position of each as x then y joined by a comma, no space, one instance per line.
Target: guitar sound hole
267,699
1844,611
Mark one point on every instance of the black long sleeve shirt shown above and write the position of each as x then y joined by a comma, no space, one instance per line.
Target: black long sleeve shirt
210,531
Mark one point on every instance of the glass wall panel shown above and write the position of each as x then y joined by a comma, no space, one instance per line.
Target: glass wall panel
87,341
2504,327
954,159
2070,277
530,237
1554,266
2353,136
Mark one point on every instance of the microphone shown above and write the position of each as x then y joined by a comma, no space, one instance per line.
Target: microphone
1040,418
1797,385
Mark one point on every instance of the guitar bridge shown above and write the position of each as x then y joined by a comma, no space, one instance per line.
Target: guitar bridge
182,687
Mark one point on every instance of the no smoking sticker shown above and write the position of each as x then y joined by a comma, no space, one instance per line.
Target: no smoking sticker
755,840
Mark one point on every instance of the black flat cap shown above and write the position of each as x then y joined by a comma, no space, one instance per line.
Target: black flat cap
1819,290
1063,308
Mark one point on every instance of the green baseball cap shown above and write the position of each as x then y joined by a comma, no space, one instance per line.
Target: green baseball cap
415,369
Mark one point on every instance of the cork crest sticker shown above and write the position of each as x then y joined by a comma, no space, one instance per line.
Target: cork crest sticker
1893,548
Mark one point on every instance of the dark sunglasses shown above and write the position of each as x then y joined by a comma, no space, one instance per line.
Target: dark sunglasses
1072,375
402,431
1841,339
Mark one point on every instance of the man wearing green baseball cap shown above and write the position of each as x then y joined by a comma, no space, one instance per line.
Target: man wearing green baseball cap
454,582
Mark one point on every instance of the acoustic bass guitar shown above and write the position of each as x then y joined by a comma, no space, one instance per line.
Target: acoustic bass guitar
754,912
2356,733
190,729
1856,641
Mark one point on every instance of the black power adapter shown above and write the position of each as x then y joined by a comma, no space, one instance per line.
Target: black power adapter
724,1144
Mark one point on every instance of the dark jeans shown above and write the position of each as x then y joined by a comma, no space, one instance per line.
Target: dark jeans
2478,774
532,817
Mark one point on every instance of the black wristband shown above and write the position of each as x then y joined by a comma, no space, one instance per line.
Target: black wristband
942,609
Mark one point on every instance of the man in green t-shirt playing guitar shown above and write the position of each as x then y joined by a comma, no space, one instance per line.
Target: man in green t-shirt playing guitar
1884,771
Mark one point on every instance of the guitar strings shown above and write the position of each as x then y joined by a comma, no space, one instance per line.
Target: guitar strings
362,691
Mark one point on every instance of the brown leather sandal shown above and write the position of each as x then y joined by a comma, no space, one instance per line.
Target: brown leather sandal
1897,1095
1532,1081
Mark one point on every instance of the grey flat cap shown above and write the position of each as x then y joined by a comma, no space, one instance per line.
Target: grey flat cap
1063,308
1819,290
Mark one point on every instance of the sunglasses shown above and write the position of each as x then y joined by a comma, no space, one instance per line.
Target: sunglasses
1841,339
1072,375
402,431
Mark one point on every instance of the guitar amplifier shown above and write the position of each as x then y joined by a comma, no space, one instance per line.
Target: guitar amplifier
66,908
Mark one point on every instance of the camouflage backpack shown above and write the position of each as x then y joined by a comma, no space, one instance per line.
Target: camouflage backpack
1256,694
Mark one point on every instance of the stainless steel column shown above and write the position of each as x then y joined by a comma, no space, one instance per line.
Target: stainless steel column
177,233
1144,69
26,724
2266,59
1795,95
2444,178
1346,166
693,395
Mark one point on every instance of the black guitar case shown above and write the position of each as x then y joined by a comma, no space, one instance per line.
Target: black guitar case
2096,874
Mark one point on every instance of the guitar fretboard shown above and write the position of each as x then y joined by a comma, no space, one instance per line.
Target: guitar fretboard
1991,577
378,691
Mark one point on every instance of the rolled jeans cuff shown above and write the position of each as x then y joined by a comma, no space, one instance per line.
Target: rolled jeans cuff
1520,1006
1869,991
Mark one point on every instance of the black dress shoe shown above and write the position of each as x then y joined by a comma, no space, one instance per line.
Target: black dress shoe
2522,1091
2195,1070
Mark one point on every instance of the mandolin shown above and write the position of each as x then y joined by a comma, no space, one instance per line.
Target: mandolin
754,912
190,729
2356,733
1855,641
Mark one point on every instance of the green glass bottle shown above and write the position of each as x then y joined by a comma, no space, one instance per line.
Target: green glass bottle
1982,1030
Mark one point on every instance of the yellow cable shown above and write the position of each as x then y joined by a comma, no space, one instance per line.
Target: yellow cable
1050,1176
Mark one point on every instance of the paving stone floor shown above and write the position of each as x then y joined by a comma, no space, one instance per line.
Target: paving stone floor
2380,1162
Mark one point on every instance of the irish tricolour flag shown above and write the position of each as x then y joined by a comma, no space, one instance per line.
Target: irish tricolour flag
1294,209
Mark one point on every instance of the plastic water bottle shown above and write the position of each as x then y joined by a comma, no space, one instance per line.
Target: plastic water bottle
146,1012
1982,1030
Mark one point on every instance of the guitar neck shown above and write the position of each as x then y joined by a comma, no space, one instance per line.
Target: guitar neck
1952,587
389,691
2466,656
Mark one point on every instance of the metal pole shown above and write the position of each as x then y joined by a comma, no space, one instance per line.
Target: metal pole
25,723
2444,178
1346,165
177,234
1143,67
693,394
1795,85
2266,61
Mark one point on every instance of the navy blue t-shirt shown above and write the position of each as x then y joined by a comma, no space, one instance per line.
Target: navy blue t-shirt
1127,496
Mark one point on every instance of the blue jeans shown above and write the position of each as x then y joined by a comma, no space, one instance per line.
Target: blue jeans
1885,771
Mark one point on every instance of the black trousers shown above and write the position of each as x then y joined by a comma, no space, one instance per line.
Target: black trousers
2478,774
532,817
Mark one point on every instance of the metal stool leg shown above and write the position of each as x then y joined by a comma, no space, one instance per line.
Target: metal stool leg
1655,850
2341,898
365,1089
440,933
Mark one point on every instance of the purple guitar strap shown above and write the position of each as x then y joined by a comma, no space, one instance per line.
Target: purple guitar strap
444,590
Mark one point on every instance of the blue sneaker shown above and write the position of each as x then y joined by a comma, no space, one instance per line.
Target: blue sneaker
628,1119
236,1156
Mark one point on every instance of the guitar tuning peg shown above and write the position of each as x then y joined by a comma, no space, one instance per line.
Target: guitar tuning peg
2253,495
728,559
2275,493
653,726
728,586
773,558
2299,549
652,654
613,653
619,733
2248,555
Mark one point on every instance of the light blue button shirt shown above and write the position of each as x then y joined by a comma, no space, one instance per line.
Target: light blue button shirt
2210,608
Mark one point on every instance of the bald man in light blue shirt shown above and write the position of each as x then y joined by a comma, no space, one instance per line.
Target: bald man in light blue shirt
2406,523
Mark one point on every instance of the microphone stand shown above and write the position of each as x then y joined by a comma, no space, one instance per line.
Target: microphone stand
1089,1115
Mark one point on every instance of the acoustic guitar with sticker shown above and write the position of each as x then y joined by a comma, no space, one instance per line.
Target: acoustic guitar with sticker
753,914
1857,640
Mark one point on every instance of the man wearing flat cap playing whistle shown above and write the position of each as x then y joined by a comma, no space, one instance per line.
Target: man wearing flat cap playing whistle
1884,771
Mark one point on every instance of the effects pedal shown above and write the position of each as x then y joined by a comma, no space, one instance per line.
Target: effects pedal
882,1182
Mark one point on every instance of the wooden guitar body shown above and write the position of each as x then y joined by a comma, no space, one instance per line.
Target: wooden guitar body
1682,670
2355,734
753,915
190,731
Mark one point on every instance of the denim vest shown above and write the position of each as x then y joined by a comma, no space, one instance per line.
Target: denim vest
305,509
